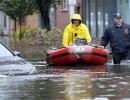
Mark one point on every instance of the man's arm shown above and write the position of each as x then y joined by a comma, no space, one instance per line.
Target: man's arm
105,38
65,37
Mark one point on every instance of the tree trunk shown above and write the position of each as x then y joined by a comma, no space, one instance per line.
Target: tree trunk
44,6
20,31
45,21
20,28
15,25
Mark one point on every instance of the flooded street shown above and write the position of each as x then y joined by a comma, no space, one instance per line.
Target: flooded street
69,83
107,82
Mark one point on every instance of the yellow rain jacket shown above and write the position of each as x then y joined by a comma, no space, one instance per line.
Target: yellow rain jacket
71,32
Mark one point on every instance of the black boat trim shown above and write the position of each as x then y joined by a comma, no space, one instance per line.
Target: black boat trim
66,54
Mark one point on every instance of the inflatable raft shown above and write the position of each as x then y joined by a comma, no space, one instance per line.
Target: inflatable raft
77,54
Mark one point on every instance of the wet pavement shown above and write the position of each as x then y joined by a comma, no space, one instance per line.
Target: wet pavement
69,83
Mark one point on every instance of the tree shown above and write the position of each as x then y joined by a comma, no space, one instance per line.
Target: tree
18,10
44,7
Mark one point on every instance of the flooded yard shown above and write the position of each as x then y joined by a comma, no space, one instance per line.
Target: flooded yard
107,82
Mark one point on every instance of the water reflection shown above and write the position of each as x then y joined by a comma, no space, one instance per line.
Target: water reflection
78,81
26,48
69,83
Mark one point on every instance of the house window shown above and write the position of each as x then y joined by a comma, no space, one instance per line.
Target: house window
64,4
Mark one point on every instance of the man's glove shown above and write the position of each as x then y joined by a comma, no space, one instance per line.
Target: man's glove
102,47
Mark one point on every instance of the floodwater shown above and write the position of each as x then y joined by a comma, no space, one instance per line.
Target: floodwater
107,82
69,83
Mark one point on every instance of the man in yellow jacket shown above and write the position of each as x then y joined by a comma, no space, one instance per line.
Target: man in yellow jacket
75,30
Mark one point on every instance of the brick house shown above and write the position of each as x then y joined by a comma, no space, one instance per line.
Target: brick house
32,21
64,10
59,17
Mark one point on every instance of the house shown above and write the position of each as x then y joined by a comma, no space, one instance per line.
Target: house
65,9
97,15
59,17
32,21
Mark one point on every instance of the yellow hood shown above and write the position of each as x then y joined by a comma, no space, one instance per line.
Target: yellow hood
76,16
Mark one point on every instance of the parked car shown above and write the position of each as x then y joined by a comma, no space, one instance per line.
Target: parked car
12,64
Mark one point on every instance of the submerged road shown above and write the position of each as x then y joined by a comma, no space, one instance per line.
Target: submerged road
111,82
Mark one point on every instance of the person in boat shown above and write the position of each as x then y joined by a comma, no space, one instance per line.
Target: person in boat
118,35
76,30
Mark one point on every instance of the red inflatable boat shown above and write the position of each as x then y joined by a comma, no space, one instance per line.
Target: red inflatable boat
77,54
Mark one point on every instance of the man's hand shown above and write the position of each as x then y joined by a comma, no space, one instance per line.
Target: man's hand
102,47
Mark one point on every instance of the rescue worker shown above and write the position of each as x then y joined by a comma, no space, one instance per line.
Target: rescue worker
118,35
75,30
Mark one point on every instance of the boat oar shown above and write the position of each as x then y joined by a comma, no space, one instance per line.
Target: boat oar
78,57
